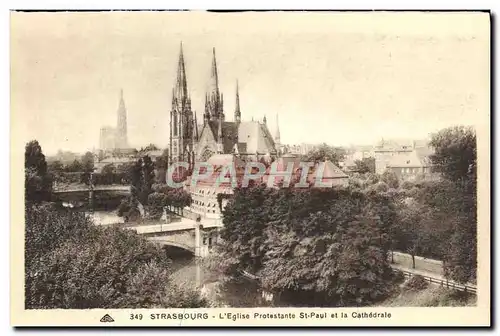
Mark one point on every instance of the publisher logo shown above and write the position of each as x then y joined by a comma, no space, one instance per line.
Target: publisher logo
107,318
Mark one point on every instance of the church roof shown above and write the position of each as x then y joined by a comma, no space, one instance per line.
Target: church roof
257,137
249,136
331,171
416,158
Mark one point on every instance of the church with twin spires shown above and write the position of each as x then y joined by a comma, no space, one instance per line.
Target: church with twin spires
191,141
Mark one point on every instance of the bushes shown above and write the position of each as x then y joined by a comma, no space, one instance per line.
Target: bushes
72,264
416,283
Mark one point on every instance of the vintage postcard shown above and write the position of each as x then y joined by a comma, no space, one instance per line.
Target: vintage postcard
250,169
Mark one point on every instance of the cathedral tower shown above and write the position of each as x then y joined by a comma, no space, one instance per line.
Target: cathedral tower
121,141
214,99
237,111
182,125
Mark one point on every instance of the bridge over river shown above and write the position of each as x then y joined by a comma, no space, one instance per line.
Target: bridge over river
78,195
194,235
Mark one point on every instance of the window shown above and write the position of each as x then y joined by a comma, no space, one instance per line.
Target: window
175,124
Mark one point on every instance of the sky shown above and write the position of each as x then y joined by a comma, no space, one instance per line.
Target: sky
339,78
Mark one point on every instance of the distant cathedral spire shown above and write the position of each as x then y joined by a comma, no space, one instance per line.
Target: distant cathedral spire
237,111
121,129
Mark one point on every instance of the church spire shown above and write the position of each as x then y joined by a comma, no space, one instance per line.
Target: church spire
181,115
237,111
195,127
214,76
277,136
121,136
206,115
181,83
215,99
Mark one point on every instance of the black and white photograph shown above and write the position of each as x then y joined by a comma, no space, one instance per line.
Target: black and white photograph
250,167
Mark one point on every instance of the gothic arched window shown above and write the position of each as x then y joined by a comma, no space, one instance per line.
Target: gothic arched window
207,153
175,124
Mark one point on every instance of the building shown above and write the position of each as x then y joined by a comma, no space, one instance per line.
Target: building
121,128
116,138
107,138
299,149
204,193
249,140
353,154
413,165
183,123
386,150
327,171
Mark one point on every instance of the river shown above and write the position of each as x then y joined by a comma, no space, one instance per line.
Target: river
191,273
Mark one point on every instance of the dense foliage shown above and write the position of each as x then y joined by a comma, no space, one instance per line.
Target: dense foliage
456,158
158,196
365,165
37,180
325,152
328,247
72,264
317,246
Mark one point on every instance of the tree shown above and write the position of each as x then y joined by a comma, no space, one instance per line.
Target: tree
156,202
34,158
325,152
75,166
87,166
129,209
37,181
390,178
147,179
73,264
161,166
245,219
411,232
88,162
456,159
455,152
56,167
135,173
363,272
365,165
309,245
108,173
